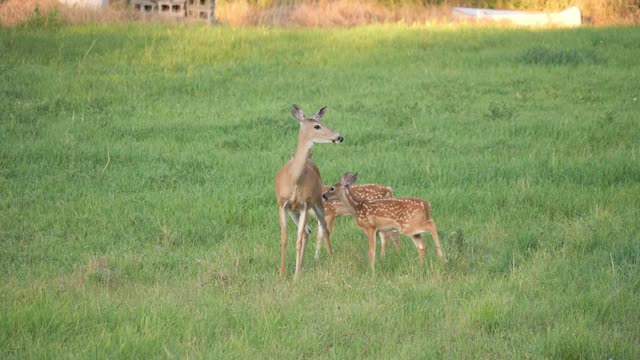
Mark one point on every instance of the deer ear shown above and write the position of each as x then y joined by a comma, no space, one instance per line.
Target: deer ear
348,179
319,114
353,178
345,179
297,113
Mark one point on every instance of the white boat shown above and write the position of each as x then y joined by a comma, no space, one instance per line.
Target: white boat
568,17
86,3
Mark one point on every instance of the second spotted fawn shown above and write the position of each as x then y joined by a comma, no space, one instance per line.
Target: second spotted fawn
410,216
336,208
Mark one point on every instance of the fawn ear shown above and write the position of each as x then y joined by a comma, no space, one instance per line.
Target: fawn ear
319,114
348,179
353,179
344,179
297,113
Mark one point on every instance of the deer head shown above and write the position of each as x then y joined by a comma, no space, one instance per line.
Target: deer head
334,191
312,130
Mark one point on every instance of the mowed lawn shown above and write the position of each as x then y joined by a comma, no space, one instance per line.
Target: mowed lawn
138,217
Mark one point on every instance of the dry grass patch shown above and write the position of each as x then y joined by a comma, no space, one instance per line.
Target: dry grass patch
326,13
97,271
17,12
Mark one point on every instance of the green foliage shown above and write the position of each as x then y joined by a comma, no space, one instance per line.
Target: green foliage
138,220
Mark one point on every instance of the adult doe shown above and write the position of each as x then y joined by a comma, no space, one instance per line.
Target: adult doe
298,185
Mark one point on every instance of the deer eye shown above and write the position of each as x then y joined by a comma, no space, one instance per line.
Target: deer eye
317,127
332,189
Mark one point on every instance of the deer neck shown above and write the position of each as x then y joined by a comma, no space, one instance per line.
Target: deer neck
301,157
352,203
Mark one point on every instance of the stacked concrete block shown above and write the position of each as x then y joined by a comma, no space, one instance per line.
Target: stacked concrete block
146,7
175,9
199,9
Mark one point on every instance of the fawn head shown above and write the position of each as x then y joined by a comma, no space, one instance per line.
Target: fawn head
313,129
334,191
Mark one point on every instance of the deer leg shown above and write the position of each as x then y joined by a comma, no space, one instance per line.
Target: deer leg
295,216
323,231
301,240
330,224
396,241
422,248
371,234
283,236
384,240
434,233
318,241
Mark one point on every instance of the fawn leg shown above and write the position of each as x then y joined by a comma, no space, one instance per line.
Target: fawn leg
422,248
396,241
323,231
434,233
384,240
384,237
371,235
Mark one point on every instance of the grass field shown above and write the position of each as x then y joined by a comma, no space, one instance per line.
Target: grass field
138,217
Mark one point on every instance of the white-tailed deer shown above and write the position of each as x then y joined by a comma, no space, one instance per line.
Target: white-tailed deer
410,216
299,186
336,208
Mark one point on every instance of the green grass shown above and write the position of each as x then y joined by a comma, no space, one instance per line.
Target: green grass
138,218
